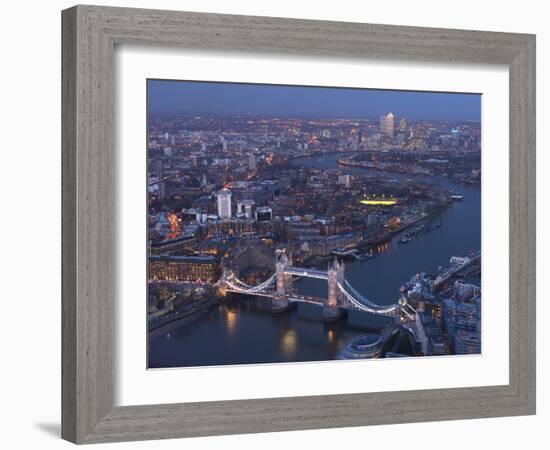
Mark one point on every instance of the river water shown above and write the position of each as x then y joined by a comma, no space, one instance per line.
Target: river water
244,331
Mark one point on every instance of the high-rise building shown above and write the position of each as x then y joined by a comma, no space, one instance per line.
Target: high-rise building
467,342
159,168
464,317
251,161
224,204
168,151
401,139
386,125
263,213
402,124
224,145
161,191
246,207
344,180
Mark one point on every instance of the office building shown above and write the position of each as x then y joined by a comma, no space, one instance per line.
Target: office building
386,125
161,191
344,180
251,161
467,342
461,322
177,269
224,204
159,168
263,213
246,208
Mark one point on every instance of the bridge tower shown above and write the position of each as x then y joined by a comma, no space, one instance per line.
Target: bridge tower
399,310
335,277
283,281
225,271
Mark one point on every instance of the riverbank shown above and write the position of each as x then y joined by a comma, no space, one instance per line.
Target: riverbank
350,162
370,244
391,234
321,154
186,316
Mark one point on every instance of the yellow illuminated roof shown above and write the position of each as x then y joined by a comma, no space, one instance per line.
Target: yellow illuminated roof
379,201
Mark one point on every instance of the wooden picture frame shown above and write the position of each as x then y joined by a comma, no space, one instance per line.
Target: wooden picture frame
90,34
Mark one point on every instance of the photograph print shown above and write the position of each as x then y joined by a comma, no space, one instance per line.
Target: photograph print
300,223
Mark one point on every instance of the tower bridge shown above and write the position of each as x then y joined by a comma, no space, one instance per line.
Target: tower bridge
342,296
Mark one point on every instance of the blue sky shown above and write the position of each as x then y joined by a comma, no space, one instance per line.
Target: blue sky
167,96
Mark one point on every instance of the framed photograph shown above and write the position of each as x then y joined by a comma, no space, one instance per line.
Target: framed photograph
277,224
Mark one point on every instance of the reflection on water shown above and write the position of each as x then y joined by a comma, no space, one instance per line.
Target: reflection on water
230,320
245,331
382,248
289,344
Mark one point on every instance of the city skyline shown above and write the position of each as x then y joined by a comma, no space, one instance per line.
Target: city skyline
223,98
278,238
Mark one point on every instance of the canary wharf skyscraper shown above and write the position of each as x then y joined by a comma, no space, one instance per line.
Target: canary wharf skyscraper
386,124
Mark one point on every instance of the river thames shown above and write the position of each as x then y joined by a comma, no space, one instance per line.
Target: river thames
244,331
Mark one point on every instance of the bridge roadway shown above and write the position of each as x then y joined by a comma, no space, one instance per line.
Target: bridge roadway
321,301
291,297
307,299
310,273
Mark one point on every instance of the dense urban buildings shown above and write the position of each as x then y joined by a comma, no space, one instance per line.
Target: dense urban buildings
192,269
232,194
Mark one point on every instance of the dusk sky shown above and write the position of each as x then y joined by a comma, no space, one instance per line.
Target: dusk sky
166,96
